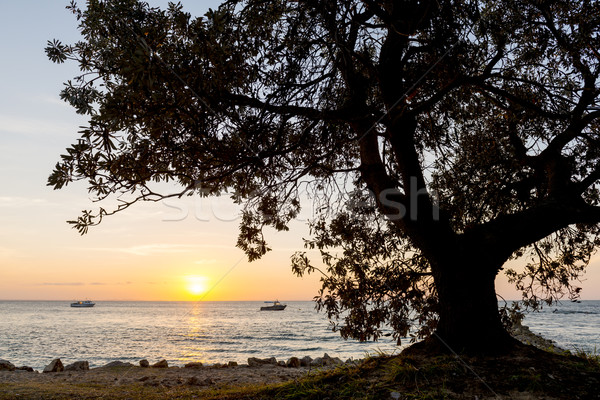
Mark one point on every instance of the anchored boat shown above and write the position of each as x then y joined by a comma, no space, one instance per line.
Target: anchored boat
83,303
277,306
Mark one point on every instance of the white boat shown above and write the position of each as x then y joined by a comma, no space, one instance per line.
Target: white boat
83,303
277,306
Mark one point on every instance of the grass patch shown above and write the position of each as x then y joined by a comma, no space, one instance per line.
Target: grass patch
538,374
134,392
592,358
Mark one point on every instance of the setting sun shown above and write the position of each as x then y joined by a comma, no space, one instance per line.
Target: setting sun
196,285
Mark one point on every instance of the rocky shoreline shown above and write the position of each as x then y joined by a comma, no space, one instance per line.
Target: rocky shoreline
192,376
523,334
293,362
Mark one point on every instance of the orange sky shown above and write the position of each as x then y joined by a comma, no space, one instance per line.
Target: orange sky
143,254
155,252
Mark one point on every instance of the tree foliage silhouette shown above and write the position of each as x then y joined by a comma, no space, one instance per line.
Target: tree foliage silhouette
437,139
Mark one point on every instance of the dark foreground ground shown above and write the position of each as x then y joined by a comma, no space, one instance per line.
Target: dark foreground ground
526,373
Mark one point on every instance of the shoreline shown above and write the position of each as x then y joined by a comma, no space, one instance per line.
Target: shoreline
159,379
526,336
293,362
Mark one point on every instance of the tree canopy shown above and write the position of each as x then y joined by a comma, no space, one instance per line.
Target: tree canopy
437,139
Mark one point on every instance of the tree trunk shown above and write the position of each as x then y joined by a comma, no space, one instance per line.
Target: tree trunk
469,321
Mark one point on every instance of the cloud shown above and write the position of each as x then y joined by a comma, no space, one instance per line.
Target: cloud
84,284
15,201
23,125
6,252
110,284
55,100
205,261
159,248
63,284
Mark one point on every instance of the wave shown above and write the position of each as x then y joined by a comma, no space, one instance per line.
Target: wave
557,311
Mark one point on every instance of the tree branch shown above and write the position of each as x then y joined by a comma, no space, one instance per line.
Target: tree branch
479,82
509,233
309,112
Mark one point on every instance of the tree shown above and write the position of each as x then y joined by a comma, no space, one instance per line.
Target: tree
437,139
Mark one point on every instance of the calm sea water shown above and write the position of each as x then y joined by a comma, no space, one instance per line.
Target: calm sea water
35,332
573,326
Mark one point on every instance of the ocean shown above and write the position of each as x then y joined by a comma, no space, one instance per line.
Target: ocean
33,333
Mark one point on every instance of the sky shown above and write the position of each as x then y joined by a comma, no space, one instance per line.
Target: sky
172,250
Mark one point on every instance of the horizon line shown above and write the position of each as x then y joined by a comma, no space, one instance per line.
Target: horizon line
155,301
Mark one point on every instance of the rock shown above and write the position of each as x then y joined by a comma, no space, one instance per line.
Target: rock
144,363
326,361
6,366
293,362
331,361
305,361
217,365
232,364
195,364
281,363
524,335
161,364
152,382
117,364
78,366
55,366
195,381
257,362
317,362
168,383
25,368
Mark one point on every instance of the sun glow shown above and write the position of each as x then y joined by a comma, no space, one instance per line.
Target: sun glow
197,285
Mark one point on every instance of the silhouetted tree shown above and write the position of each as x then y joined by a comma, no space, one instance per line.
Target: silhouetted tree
437,140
